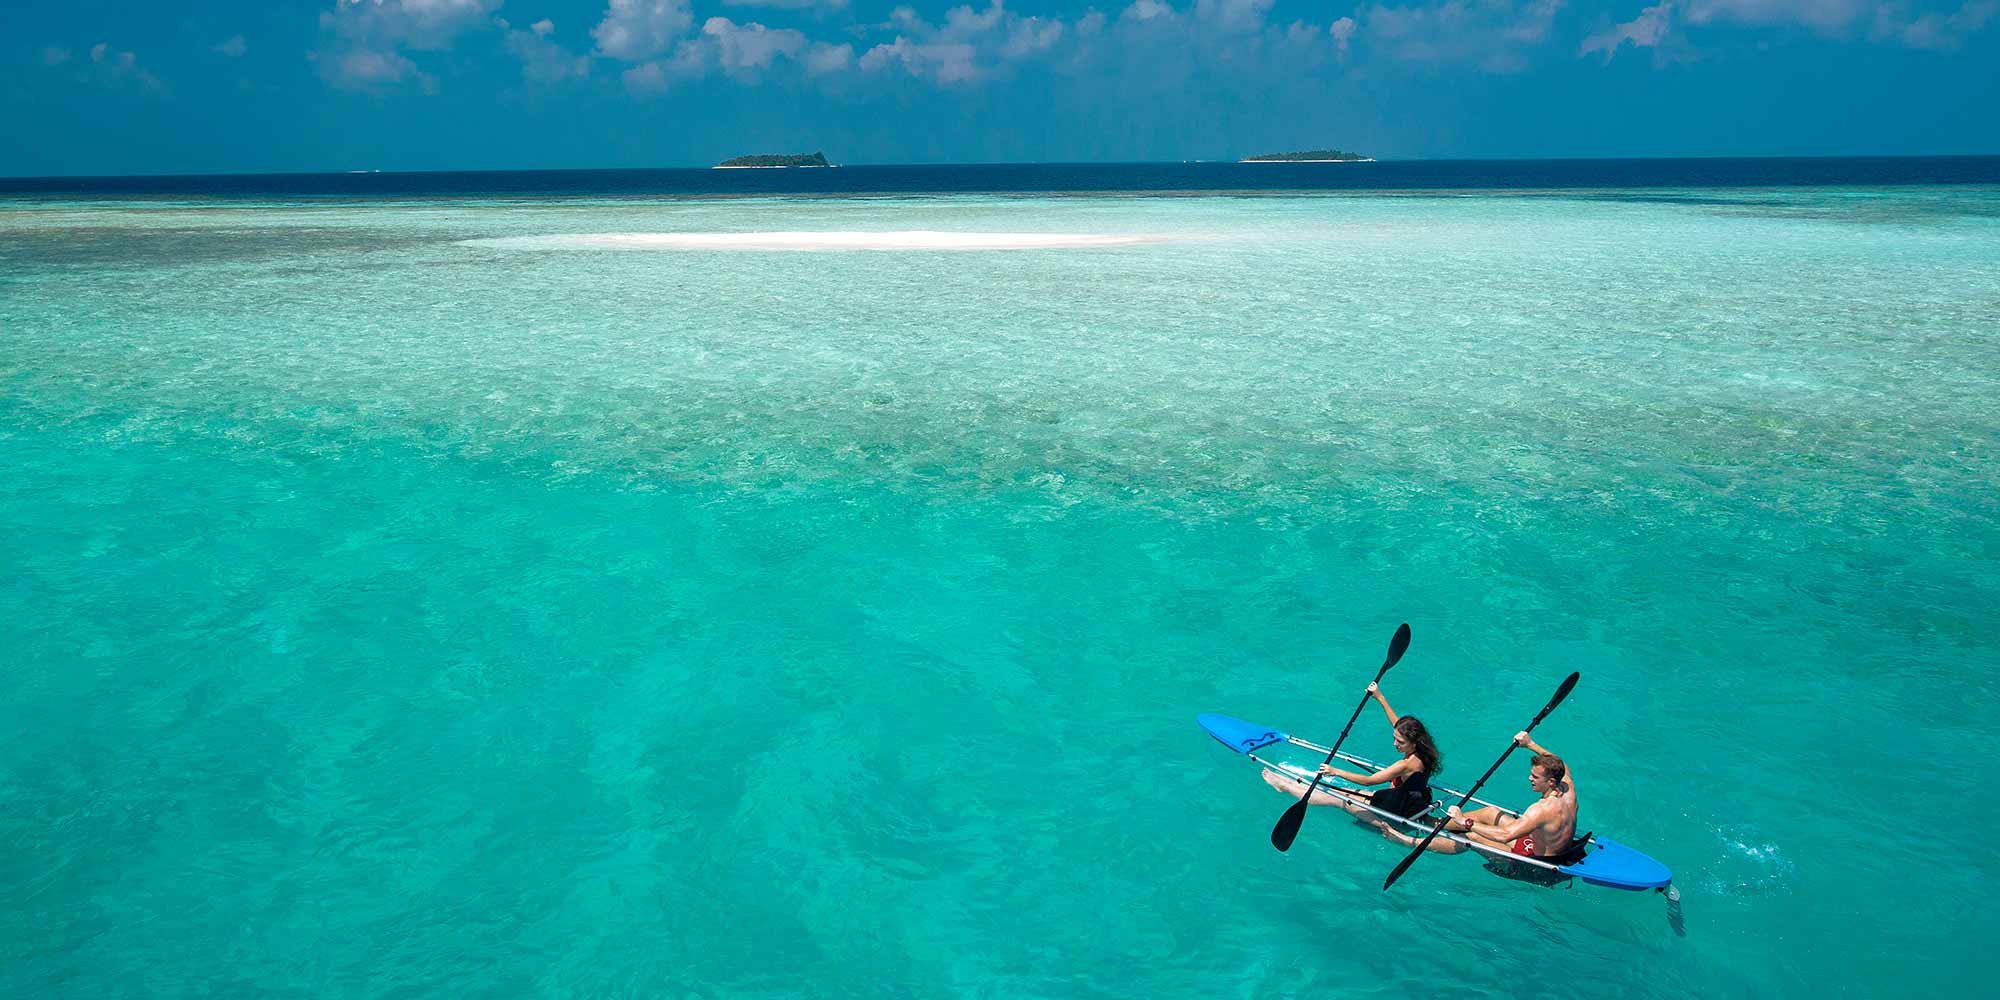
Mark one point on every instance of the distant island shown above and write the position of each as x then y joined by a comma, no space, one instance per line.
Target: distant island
1310,156
775,160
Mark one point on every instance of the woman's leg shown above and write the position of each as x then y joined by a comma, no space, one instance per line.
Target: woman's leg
1322,796
1440,844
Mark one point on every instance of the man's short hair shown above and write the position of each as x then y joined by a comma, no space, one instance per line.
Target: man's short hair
1553,765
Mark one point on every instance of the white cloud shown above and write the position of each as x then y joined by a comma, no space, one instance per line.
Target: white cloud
109,67
1657,26
744,48
945,62
368,38
689,60
1027,36
1533,22
234,46
542,60
1153,38
823,58
543,28
1646,31
1302,38
1935,30
1494,34
787,4
1823,14
1342,31
635,29
424,25
645,78
962,21
968,44
54,55
1232,15
369,66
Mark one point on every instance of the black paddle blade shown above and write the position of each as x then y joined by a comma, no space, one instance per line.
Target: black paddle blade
1408,860
1561,693
1287,829
1397,646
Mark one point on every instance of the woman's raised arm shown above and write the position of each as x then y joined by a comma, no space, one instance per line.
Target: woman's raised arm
1376,693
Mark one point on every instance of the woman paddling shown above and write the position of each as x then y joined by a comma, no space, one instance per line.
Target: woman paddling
1409,779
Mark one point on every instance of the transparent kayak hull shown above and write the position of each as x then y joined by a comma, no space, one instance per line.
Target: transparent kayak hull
1606,862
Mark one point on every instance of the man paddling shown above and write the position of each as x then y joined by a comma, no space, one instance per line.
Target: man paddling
1543,830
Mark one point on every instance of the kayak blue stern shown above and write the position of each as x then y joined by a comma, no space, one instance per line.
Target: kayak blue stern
1612,864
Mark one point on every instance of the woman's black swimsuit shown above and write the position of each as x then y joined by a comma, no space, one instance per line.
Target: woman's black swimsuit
1404,797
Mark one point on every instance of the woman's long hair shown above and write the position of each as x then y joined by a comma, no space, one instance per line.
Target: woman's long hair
1420,744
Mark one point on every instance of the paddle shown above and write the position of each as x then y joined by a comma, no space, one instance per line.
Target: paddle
1561,693
1288,824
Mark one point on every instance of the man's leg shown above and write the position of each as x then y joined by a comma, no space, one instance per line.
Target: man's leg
1492,816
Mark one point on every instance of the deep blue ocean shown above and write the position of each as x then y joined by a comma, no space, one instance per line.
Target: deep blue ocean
780,583
1077,178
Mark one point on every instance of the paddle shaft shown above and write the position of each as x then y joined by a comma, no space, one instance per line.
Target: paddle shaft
1561,693
1288,824
1330,754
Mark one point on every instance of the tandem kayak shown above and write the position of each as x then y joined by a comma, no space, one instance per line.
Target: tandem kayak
1606,862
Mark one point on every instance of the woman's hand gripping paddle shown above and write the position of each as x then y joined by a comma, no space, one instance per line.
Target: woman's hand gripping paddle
1288,824
1561,693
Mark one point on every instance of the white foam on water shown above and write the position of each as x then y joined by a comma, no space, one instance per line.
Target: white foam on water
916,239
1746,865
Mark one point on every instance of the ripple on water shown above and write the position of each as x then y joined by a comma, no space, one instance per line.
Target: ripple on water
1748,864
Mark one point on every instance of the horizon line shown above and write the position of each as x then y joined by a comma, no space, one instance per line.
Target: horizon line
351,171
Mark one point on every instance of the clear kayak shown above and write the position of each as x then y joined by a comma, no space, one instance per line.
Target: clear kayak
1605,862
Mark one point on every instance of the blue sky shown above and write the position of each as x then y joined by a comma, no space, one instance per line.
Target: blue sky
222,86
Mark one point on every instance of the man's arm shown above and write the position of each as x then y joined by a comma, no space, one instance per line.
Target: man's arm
1569,777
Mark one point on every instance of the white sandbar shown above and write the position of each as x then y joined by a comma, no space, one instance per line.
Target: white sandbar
900,240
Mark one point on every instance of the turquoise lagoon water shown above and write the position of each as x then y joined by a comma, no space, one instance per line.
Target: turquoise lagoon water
393,606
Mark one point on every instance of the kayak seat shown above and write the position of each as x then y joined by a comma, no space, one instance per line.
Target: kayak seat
1575,853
